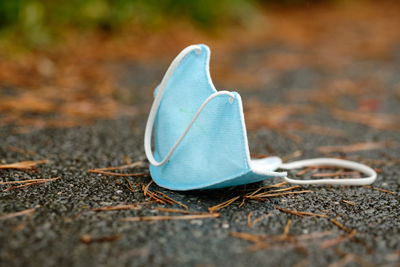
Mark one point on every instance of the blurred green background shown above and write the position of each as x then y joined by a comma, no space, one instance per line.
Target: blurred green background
38,23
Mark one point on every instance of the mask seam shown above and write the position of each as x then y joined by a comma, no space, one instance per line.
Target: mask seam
245,160
207,75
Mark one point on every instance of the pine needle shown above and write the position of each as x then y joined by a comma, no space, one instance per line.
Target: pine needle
119,174
22,225
173,200
19,150
170,218
181,211
333,242
306,170
118,207
354,147
341,226
130,186
28,181
249,219
32,183
132,165
106,171
333,174
249,237
301,213
164,199
296,154
23,165
223,204
349,202
87,239
17,214
157,198
258,240
280,194
277,190
146,188
286,230
380,189
259,189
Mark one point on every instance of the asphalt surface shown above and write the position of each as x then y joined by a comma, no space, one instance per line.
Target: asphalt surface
53,234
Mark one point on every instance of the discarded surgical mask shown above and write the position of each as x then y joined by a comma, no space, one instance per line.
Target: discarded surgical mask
200,139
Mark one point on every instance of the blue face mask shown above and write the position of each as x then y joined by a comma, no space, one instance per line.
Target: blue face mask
200,139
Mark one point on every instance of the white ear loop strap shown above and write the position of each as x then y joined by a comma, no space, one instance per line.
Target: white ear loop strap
334,163
156,104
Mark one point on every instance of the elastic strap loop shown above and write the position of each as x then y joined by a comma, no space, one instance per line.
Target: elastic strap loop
341,163
156,104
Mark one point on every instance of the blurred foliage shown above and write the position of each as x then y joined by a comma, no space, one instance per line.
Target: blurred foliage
34,23
39,22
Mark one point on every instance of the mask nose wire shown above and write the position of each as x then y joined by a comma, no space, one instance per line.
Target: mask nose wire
156,104
371,174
